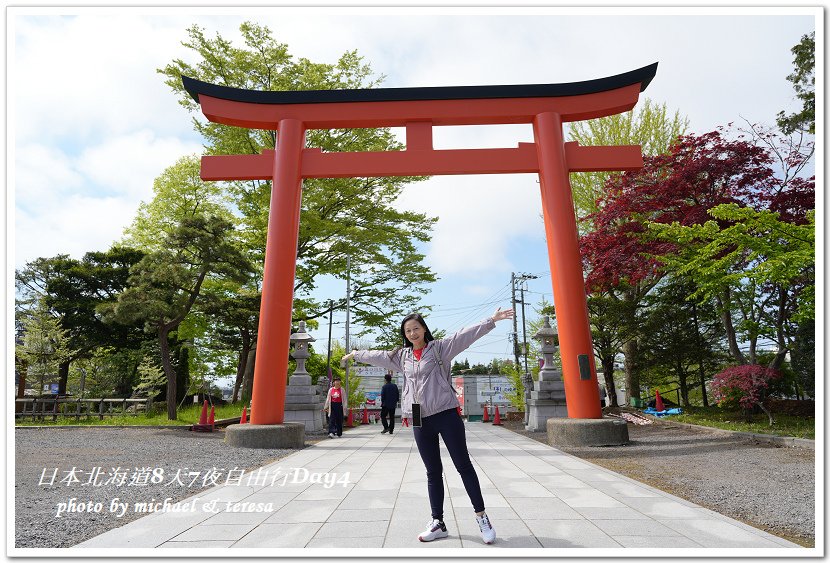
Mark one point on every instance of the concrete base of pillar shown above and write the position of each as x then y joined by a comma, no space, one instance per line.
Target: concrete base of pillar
587,432
290,435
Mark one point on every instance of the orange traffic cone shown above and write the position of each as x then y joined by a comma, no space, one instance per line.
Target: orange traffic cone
658,401
350,419
486,417
365,419
202,425
497,418
244,418
211,419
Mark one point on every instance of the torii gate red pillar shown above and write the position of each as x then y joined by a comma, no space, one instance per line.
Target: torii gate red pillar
545,106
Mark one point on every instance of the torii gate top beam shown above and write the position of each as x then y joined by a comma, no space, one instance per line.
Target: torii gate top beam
395,107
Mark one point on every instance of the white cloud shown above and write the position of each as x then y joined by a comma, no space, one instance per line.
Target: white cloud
43,174
78,77
78,225
72,205
478,218
128,163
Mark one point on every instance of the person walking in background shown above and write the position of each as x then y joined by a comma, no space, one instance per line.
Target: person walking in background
429,400
335,406
389,396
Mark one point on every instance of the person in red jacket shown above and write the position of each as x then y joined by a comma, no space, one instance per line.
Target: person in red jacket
335,406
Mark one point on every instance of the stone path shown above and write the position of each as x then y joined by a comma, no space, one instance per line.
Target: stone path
537,497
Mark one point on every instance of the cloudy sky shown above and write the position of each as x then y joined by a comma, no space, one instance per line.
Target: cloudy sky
91,123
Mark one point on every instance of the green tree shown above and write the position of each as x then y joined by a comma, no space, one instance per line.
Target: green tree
651,126
804,82
655,129
44,345
340,218
151,379
514,376
71,290
684,338
178,193
165,284
233,311
752,256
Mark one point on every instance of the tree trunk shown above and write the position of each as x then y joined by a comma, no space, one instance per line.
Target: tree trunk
780,356
768,413
163,331
725,303
248,378
21,386
241,364
684,384
632,375
700,370
63,376
610,386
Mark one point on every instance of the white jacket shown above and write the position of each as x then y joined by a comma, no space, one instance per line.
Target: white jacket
327,405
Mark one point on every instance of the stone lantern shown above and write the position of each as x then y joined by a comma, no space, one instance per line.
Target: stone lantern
547,399
300,340
302,399
549,339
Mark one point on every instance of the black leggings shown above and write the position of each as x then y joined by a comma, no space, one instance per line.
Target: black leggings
450,427
336,419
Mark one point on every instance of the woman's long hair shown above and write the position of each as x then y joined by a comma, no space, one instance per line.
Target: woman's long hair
427,334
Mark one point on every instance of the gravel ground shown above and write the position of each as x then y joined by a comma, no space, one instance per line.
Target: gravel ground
131,450
766,486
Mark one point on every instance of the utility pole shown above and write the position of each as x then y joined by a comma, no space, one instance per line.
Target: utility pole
523,279
348,313
515,329
328,358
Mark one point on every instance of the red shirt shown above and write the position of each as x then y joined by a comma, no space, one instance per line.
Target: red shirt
418,353
335,395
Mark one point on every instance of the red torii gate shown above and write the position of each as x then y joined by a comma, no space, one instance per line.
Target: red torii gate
546,106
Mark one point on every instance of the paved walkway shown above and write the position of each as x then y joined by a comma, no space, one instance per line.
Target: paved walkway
536,496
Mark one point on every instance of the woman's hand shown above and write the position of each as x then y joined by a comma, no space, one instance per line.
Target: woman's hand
500,315
348,356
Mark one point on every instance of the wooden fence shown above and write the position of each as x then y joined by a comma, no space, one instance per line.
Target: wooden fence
41,407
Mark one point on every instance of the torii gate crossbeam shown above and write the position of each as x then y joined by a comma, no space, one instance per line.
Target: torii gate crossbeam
545,106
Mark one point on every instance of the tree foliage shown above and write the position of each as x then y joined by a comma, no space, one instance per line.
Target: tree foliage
804,82
44,345
651,126
744,386
340,218
166,283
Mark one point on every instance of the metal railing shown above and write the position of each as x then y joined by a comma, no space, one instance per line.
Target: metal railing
42,407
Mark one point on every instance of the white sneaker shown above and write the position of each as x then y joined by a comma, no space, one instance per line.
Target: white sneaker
331,434
435,529
488,534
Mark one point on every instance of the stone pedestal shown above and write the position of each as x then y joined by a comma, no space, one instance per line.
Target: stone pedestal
587,432
290,435
303,403
547,397
547,400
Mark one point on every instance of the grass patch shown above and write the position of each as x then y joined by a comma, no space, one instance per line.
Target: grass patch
785,425
185,417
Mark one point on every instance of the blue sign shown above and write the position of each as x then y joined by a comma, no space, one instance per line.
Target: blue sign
53,388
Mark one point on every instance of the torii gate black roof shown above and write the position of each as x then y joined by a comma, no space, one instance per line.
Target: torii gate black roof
643,76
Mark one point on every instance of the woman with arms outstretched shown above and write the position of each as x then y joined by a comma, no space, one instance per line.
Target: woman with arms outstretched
430,401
